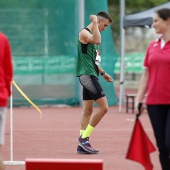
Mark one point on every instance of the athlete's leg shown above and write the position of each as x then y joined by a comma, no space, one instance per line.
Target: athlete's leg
102,110
86,113
84,145
91,91
94,120
96,117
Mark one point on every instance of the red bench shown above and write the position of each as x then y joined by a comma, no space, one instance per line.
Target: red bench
63,164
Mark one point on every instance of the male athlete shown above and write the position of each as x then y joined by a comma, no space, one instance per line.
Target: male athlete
88,70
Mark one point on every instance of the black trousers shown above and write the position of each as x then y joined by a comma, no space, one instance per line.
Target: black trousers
160,120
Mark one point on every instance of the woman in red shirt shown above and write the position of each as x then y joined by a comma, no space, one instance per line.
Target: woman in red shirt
6,73
155,81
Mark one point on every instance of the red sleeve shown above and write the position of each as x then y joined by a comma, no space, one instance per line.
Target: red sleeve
8,66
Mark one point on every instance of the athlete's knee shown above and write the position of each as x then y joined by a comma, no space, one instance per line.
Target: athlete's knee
88,111
104,109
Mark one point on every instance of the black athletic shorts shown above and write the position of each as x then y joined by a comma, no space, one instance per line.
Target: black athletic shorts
92,89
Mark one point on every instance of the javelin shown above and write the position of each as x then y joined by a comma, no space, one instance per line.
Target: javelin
25,96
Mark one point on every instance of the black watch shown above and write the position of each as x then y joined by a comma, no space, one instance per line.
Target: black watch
102,73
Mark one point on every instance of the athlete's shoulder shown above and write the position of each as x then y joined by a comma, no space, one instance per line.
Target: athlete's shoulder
84,35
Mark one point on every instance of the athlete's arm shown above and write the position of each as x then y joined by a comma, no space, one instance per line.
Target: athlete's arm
106,76
86,37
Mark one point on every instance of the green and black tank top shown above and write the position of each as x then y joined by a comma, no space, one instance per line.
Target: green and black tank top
86,59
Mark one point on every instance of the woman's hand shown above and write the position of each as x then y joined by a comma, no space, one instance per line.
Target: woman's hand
137,107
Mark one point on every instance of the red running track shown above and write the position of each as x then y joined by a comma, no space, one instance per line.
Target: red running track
55,136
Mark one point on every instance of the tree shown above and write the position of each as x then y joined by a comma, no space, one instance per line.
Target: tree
131,6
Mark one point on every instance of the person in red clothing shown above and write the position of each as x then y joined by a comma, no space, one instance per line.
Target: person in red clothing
6,74
155,82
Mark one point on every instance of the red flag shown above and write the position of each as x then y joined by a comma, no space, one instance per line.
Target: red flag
140,147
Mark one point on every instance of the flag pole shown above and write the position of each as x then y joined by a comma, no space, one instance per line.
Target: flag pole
11,162
81,26
122,51
11,126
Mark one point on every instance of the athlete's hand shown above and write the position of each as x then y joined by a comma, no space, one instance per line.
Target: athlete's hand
107,77
93,18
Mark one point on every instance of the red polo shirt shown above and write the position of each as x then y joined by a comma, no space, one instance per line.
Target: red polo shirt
157,61
6,70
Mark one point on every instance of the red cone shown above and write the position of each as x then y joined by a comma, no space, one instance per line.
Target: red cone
140,147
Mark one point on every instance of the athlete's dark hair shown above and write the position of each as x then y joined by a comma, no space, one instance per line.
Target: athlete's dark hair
164,13
105,15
